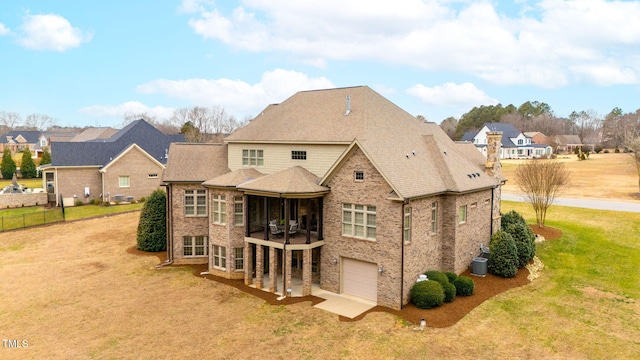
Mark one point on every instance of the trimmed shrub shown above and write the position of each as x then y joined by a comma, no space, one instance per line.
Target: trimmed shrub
28,168
78,203
8,166
427,294
451,276
503,259
436,275
525,241
152,228
464,286
510,218
449,292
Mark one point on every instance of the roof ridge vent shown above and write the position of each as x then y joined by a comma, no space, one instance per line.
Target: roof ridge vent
348,110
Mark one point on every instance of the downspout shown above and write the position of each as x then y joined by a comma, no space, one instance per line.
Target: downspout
402,259
169,225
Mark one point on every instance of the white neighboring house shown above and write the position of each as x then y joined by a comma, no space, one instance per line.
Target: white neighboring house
515,145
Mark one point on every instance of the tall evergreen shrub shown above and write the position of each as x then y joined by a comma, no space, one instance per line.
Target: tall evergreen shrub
8,166
28,167
152,228
503,258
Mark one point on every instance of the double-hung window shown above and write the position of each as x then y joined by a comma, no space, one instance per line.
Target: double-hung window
219,209
406,233
193,246
219,257
195,202
124,181
239,258
252,157
434,217
359,221
238,211
462,214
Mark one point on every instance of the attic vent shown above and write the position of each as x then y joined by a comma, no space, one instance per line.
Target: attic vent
348,111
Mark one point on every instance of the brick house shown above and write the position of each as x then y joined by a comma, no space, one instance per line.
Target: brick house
127,166
339,189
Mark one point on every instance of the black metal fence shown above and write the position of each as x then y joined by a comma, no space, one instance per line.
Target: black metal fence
47,216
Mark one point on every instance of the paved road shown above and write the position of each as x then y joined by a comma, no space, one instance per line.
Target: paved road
585,203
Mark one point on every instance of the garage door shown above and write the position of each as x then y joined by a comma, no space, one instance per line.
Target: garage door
360,279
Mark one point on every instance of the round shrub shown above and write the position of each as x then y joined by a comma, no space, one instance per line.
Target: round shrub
525,241
427,294
449,292
464,286
152,228
436,275
451,276
511,218
503,259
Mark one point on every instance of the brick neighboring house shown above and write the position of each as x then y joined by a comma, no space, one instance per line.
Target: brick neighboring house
567,143
127,166
34,140
515,145
339,189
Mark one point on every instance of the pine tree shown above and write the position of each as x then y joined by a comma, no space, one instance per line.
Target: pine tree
8,166
152,228
28,167
46,156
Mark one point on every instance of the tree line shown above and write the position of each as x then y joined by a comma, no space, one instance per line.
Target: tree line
613,130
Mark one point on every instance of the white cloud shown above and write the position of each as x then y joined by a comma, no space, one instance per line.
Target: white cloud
4,30
465,95
51,32
546,44
236,96
130,107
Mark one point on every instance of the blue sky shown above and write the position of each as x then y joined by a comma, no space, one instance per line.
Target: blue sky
87,63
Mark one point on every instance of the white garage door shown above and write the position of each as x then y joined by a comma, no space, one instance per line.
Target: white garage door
360,279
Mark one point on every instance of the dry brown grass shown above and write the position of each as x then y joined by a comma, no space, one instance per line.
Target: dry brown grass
602,176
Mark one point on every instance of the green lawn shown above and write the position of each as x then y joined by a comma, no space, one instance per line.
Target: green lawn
30,183
37,215
590,296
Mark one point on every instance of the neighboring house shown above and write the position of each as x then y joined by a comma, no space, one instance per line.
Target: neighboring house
567,143
537,137
515,145
125,167
339,189
94,133
34,140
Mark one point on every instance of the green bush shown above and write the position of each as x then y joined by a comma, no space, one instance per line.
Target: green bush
78,203
436,275
8,166
510,218
28,168
525,241
503,259
449,292
451,276
464,286
152,228
427,294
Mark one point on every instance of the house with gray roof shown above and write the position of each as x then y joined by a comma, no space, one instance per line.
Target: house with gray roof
337,189
124,167
33,140
514,144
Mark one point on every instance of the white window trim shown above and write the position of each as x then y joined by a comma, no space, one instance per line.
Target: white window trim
434,217
238,200
236,258
252,157
193,246
124,177
406,227
358,176
349,227
195,195
219,257
219,209
462,214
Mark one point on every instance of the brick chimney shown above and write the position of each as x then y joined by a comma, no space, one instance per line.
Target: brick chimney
494,144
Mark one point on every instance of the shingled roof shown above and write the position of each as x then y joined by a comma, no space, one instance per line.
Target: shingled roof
416,158
195,162
100,152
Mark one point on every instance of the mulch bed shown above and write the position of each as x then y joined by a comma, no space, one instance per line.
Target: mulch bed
443,316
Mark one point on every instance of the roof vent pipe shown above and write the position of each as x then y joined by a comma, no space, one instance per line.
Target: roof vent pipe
348,111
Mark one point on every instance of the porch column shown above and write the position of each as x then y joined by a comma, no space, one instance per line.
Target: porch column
306,272
307,224
248,264
287,272
266,218
259,267
247,217
320,217
273,273
287,204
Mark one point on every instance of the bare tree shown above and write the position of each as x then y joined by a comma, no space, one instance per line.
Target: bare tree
448,125
541,181
632,141
201,124
38,122
9,121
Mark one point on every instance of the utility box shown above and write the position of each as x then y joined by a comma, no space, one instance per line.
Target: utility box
479,266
